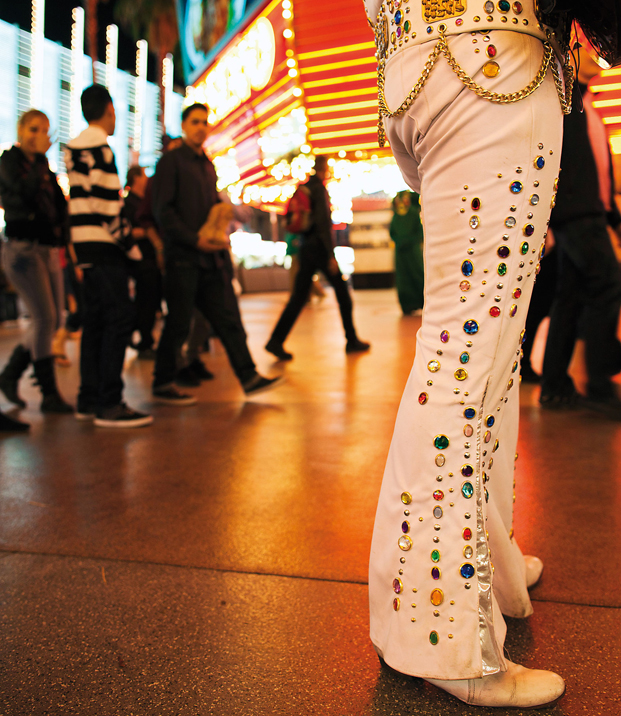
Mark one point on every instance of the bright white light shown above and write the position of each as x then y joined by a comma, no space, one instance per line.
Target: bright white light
286,4
305,149
112,55
287,33
287,14
77,57
290,62
342,153
142,52
37,28
297,92
293,73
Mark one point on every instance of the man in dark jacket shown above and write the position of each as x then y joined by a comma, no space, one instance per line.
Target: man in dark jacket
316,254
589,288
198,269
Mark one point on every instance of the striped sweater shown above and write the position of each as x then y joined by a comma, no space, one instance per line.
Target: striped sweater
95,203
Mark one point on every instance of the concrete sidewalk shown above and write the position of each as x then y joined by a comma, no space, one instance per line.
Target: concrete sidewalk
215,562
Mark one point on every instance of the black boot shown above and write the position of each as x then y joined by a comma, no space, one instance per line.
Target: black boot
8,425
46,380
9,378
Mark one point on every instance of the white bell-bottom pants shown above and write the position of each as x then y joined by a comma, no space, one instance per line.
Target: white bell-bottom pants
444,563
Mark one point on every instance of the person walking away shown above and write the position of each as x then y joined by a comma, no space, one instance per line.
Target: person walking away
588,289
146,272
187,208
100,237
406,231
316,254
36,226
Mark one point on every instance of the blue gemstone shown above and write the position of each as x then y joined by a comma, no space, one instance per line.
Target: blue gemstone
490,420
464,357
467,268
540,162
429,30
470,413
398,17
543,252
471,327
467,571
504,5
467,490
516,187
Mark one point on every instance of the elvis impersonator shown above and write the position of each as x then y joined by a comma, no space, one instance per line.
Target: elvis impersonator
471,97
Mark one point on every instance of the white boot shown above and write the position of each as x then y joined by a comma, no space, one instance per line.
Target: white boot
517,687
534,568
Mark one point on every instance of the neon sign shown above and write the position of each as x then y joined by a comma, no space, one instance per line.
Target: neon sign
245,67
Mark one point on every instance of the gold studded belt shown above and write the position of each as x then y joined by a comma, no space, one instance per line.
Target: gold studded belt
441,47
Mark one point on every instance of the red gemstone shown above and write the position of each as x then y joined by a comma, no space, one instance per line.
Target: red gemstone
467,533
517,7
475,204
423,398
491,50
438,495
494,311
517,293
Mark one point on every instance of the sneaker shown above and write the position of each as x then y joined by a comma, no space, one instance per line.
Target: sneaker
260,384
122,416
84,414
357,346
53,403
200,370
169,395
187,378
277,349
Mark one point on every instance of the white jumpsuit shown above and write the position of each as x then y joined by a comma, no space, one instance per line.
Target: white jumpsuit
444,563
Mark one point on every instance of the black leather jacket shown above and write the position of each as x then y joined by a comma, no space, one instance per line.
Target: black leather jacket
34,206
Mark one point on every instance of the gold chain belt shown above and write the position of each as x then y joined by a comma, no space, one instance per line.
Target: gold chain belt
442,48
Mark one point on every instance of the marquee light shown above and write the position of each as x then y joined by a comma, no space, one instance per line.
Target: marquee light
77,59
142,52
245,67
112,54
37,27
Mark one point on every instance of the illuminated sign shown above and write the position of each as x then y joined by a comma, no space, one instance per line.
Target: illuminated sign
247,66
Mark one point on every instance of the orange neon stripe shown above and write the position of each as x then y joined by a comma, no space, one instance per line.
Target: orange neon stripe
612,87
282,113
337,65
352,148
341,80
341,107
341,95
342,120
607,103
336,50
344,133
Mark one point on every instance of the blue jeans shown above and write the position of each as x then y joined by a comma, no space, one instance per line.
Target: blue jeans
34,269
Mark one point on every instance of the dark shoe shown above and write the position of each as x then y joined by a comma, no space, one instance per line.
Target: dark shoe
8,425
169,395
85,413
276,349
357,346
187,378
13,371
259,384
122,416
53,403
46,380
553,401
607,407
200,370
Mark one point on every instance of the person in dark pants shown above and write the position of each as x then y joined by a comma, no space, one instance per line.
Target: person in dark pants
99,235
316,254
146,272
589,285
198,265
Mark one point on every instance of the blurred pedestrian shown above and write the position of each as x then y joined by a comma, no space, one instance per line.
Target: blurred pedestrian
588,291
145,272
316,254
406,231
199,272
36,226
101,239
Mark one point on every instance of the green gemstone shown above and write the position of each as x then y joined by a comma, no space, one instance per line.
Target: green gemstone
435,556
407,26
441,442
434,638
502,269
524,248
